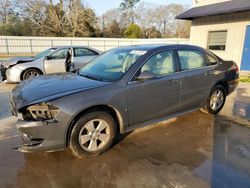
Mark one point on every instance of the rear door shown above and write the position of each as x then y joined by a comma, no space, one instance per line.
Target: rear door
82,56
55,63
197,79
158,97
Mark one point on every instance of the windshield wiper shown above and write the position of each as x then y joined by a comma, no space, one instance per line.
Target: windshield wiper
91,77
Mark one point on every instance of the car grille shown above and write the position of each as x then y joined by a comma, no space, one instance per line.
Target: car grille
3,72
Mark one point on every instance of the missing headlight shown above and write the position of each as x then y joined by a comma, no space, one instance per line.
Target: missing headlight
40,112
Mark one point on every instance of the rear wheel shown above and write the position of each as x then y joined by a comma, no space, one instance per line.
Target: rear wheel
216,100
92,134
30,73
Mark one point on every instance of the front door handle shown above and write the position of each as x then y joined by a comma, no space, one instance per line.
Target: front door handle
209,73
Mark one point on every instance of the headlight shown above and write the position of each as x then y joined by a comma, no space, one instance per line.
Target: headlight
40,112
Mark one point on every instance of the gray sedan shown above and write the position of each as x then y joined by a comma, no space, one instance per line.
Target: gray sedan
121,90
47,62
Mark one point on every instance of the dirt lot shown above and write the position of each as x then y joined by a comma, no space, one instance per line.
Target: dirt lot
195,150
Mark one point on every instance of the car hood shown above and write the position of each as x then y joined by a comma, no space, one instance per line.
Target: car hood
16,60
47,88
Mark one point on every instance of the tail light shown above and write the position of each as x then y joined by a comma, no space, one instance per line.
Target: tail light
236,68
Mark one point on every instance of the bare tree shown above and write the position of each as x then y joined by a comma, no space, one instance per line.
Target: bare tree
129,5
5,9
161,18
61,18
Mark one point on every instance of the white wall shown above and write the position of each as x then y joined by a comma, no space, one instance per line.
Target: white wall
207,2
17,45
235,24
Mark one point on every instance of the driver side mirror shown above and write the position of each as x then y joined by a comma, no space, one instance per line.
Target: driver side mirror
146,75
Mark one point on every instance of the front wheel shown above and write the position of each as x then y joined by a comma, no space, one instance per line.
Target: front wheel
30,73
216,100
92,134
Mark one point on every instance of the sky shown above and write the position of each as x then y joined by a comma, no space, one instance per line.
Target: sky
101,6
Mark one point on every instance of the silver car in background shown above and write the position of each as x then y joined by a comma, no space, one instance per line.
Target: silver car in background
49,62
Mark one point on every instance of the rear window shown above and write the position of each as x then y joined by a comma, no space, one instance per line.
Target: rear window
211,60
81,52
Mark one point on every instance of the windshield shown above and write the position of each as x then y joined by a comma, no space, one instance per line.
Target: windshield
44,53
112,65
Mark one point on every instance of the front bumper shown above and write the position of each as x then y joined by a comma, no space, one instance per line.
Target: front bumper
41,136
3,75
233,85
13,74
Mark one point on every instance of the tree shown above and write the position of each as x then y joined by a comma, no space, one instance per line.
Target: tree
129,5
5,10
63,18
114,30
133,31
160,19
153,33
112,23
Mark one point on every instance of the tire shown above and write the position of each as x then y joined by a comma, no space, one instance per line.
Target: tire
89,137
30,73
216,100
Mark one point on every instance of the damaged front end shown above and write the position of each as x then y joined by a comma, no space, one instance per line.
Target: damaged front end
40,112
38,125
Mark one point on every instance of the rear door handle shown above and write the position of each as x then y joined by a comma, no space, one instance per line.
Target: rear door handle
173,81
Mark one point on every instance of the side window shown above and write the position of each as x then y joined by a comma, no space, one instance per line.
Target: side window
80,52
211,60
60,54
160,64
191,59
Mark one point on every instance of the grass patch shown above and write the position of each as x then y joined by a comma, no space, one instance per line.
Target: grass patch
245,78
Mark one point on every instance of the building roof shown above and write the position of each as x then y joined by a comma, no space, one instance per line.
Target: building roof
216,9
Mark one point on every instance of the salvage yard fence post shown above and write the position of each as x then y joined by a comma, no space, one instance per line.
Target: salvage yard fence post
14,45
7,46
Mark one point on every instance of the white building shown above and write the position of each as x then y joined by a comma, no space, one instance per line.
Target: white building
222,26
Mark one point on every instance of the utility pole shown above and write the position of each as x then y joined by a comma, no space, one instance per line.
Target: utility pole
103,25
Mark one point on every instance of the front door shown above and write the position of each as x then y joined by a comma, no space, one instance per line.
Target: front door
197,79
83,56
245,64
158,97
55,63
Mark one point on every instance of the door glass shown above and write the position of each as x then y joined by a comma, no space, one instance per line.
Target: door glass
60,54
160,64
212,60
191,59
80,52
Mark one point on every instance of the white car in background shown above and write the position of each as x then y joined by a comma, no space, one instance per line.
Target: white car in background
48,62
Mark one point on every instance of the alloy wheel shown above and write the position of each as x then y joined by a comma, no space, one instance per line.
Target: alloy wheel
94,135
217,99
31,74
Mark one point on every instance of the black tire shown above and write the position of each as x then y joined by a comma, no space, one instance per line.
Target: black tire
77,148
208,108
30,73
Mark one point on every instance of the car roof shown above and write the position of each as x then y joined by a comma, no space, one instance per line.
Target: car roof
149,47
72,46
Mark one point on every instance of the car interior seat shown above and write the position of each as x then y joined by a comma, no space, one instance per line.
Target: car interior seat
167,65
